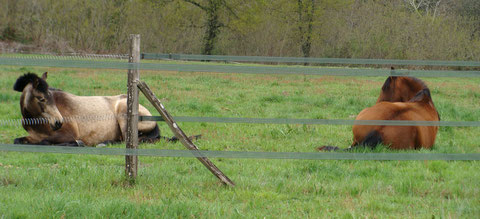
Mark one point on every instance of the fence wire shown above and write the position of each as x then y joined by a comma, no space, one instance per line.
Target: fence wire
65,56
310,60
44,121
240,154
93,118
314,121
227,68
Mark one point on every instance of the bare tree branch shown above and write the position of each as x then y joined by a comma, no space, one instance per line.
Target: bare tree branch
435,10
229,9
429,7
197,4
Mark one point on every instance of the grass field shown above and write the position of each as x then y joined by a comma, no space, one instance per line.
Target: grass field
58,185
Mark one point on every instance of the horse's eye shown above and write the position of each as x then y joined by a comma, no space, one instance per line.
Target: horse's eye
41,99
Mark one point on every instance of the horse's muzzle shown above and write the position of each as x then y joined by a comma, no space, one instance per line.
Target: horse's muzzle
57,125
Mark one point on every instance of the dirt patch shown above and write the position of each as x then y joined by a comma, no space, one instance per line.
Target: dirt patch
47,45
14,47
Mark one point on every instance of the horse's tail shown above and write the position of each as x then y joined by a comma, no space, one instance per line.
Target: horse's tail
175,139
371,140
150,137
154,135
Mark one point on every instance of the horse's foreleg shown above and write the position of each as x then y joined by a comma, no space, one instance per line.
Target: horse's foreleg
328,148
23,140
122,123
52,140
145,128
67,136
335,148
58,139
32,138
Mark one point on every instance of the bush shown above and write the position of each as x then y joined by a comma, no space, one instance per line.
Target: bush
344,29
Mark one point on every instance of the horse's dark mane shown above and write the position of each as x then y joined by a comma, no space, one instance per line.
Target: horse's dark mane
387,83
390,79
420,82
28,78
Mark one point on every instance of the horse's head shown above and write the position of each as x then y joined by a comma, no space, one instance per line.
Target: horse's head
400,89
37,100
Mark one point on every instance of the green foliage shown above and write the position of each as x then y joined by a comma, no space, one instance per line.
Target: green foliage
9,33
396,29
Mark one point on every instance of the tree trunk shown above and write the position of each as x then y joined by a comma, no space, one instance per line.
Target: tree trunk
9,33
212,9
306,10
212,27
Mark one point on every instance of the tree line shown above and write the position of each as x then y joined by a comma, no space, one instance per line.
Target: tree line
388,29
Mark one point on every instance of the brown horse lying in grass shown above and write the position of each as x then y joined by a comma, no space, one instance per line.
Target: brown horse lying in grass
401,98
56,107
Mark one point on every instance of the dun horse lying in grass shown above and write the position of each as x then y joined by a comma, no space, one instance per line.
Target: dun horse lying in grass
401,98
54,106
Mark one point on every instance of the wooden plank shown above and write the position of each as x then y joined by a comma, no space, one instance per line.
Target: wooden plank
131,162
181,135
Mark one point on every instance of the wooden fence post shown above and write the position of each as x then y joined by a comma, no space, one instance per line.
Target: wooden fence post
131,161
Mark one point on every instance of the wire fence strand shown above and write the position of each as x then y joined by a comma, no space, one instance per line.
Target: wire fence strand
302,60
240,154
231,68
44,121
314,121
95,118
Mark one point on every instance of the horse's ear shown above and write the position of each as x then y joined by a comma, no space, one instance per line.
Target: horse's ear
44,76
388,82
392,70
35,83
422,96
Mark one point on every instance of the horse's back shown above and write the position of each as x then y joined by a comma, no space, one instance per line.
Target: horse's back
94,117
100,118
121,109
398,137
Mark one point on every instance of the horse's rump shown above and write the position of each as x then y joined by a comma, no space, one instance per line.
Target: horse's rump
100,118
397,137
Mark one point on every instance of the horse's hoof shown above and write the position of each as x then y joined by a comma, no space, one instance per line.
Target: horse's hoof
327,148
19,141
173,139
195,137
44,142
80,143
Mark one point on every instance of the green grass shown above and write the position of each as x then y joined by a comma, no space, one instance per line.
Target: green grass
61,185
